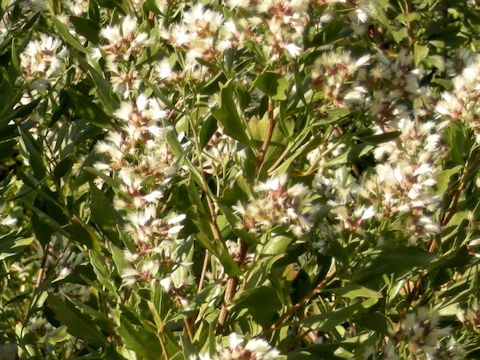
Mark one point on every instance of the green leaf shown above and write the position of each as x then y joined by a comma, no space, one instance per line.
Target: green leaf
46,219
15,58
218,250
381,138
443,178
343,353
329,320
63,167
326,351
7,148
139,340
172,139
63,31
87,109
262,303
459,257
227,115
77,324
272,84
103,274
103,87
87,28
351,291
374,321
277,245
393,260
34,154
355,152
420,52
103,213
399,35
100,319
80,234
208,128
108,180
438,61
10,246
119,259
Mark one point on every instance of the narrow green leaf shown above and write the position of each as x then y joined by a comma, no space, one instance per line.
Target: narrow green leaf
10,246
63,167
262,303
63,31
420,52
102,85
82,236
119,259
34,154
227,115
103,213
328,321
139,340
443,178
394,260
399,35
103,275
15,57
87,109
86,27
272,84
277,245
351,291
207,130
381,138
77,324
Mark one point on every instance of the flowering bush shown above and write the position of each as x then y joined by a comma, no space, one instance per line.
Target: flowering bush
239,179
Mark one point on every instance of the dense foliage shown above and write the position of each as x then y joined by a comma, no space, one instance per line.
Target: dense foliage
239,179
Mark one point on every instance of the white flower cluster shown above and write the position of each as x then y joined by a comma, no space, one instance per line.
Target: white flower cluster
420,335
402,184
219,150
391,83
43,60
276,25
240,349
275,204
335,74
404,179
461,104
142,162
124,41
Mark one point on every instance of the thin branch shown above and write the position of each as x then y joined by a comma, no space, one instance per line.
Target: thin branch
447,216
232,282
41,270
206,259
282,319
268,136
230,290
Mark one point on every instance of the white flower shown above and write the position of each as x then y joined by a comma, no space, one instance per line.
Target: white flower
176,219
273,184
234,340
368,213
8,221
166,283
129,25
293,49
153,196
164,70
43,57
129,276
362,61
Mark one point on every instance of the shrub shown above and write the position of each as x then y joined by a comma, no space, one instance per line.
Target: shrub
240,179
